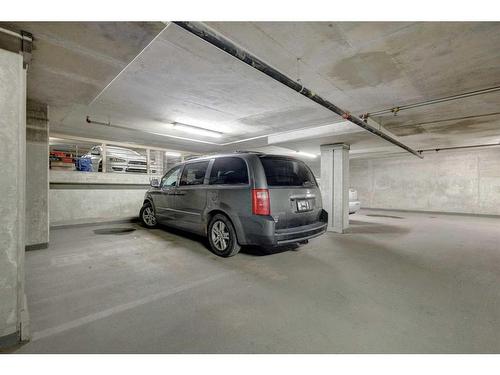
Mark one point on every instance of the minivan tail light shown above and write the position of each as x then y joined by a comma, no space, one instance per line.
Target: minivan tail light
260,202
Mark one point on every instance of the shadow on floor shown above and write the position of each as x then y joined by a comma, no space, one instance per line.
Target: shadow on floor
118,231
263,251
363,227
185,234
248,250
359,222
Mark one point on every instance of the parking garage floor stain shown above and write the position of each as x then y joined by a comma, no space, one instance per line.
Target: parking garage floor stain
417,285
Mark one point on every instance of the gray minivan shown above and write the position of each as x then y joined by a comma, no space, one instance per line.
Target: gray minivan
242,198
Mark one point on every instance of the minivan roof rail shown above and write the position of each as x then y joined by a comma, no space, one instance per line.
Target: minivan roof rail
248,152
194,157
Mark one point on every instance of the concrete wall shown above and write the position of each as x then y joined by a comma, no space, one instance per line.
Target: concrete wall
465,181
13,315
37,175
86,197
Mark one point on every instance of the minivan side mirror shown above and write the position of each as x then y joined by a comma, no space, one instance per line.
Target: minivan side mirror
154,182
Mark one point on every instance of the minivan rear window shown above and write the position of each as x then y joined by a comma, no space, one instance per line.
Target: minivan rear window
282,171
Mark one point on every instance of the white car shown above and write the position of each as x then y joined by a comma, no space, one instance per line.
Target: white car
119,160
354,204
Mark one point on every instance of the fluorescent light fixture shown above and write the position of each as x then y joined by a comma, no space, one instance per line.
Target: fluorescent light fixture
171,153
196,130
306,154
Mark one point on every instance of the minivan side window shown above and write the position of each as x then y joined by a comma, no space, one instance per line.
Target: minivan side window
229,171
170,178
194,173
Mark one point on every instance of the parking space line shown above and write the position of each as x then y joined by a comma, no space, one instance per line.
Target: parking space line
123,307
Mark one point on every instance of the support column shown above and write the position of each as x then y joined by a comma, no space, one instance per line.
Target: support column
335,185
37,176
14,320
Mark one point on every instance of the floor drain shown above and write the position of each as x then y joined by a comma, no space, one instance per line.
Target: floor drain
114,230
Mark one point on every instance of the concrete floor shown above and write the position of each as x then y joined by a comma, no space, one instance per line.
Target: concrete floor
397,282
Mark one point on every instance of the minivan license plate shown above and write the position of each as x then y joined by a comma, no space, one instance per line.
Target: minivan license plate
303,205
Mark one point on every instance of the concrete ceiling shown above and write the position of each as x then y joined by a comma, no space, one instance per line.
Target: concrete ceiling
82,69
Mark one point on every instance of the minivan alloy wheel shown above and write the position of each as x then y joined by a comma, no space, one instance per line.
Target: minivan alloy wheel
148,216
220,235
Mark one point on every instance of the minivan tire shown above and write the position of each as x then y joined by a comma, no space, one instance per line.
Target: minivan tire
147,216
222,236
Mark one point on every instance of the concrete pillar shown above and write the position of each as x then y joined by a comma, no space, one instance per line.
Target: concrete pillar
37,176
13,312
335,185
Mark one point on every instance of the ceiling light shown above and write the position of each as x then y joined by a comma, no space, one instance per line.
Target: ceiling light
306,154
171,153
197,130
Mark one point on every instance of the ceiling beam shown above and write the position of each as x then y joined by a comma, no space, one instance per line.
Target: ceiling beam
338,128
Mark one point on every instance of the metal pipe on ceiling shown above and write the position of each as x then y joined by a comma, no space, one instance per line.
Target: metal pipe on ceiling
229,47
110,125
400,108
459,147
451,119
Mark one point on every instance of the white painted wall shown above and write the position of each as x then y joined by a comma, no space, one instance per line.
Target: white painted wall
465,181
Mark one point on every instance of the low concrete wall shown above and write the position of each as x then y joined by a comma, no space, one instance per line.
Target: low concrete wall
86,197
460,182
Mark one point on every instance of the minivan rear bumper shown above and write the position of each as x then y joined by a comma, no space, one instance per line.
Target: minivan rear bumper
261,231
284,236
